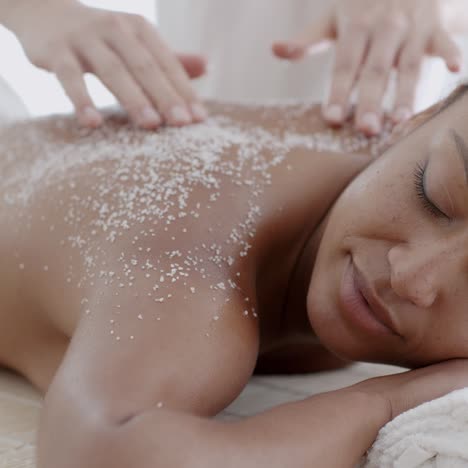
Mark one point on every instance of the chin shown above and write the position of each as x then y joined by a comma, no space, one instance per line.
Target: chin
344,343
330,331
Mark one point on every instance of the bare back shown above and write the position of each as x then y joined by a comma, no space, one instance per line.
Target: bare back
142,230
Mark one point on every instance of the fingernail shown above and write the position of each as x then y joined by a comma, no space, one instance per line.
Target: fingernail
199,111
149,116
455,65
334,113
402,114
370,122
180,115
292,49
91,116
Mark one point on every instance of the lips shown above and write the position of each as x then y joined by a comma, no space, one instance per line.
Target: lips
375,305
361,306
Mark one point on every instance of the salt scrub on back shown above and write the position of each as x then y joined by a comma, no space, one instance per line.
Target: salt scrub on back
153,197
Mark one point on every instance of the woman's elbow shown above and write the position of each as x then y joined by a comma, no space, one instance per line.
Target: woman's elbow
76,443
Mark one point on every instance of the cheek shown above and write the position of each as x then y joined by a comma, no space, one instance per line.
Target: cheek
379,202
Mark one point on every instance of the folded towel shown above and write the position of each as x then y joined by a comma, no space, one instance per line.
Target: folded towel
434,434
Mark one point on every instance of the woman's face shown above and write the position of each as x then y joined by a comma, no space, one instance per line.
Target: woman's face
411,252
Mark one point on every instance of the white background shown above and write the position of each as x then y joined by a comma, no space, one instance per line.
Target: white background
39,90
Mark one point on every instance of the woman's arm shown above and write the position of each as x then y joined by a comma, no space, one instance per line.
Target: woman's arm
331,430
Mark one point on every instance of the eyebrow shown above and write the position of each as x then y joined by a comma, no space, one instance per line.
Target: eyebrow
462,148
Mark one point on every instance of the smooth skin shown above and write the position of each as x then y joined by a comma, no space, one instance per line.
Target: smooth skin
372,38
109,391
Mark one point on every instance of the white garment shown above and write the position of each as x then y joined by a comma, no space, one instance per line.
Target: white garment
11,106
432,435
236,36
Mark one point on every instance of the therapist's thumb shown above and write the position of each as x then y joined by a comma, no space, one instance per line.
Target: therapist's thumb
315,39
195,65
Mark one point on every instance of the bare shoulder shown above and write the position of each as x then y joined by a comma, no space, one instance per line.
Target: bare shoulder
187,353
135,249
291,119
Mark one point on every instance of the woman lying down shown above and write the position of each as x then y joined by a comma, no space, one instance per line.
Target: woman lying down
146,276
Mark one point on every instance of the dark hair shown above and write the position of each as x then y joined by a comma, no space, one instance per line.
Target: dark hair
435,110
453,97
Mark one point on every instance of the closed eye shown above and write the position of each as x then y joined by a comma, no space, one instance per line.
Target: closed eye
427,203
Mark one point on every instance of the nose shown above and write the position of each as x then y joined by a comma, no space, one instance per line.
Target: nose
419,273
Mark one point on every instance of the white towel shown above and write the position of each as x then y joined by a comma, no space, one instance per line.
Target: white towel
432,435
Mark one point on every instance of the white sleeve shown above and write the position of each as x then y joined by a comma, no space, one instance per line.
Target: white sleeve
11,106
156,10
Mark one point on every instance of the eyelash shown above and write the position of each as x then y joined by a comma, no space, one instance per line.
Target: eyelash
421,193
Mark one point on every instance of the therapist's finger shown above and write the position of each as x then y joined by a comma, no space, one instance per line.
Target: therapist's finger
409,71
375,76
113,73
175,74
351,49
153,81
442,45
70,75
314,39
195,65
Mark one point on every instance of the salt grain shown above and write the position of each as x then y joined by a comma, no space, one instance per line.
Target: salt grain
152,178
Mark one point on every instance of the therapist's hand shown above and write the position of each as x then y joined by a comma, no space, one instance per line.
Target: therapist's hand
372,37
124,51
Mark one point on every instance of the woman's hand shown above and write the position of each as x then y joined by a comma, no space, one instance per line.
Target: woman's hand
123,50
412,388
372,37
